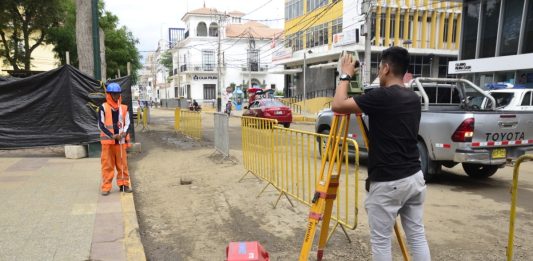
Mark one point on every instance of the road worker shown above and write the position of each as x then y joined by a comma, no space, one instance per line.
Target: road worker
397,185
114,123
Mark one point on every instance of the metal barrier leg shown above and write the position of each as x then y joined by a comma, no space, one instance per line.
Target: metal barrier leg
264,188
343,230
247,174
279,197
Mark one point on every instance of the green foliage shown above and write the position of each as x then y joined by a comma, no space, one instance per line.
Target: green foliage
24,26
64,37
119,42
119,47
166,60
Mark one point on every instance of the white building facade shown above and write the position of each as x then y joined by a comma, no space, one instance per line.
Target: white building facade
245,56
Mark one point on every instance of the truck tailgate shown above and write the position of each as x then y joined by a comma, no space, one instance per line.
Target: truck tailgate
513,128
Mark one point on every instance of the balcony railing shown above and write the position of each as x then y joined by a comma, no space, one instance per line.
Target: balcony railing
198,67
254,67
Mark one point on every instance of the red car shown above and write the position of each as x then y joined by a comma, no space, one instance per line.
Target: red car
270,109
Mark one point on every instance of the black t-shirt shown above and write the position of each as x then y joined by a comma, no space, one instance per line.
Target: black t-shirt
394,118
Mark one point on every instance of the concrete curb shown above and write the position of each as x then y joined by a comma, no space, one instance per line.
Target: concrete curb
132,238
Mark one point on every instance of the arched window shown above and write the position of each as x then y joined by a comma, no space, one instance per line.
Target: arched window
213,29
201,29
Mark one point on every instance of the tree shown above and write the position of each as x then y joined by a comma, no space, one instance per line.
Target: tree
24,26
119,42
119,46
63,37
166,60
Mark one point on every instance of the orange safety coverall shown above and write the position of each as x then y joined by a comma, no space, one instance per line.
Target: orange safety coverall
113,152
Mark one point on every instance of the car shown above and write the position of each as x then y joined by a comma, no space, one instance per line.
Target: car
270,109
135,108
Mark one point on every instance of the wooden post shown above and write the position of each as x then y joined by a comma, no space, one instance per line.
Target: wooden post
128,67
67,54
119,73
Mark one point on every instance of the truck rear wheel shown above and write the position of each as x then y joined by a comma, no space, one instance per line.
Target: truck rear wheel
429,167
480,171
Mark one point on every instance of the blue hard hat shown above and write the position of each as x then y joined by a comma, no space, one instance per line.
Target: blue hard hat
113,88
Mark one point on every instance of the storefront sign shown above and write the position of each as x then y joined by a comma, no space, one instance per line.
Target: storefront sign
521,62
462,67
283,53
206,77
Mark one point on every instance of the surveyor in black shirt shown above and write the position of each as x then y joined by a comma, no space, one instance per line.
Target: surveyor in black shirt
397,185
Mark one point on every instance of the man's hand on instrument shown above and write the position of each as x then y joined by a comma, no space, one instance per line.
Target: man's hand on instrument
349,65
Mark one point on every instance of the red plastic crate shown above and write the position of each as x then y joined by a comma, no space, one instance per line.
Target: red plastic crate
246,251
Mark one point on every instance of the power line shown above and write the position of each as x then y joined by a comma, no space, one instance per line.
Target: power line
258,7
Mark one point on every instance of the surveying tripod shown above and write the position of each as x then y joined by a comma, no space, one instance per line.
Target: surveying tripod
328,183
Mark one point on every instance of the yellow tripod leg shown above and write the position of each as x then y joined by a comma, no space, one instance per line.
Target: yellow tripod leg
322,189
332,189
405,253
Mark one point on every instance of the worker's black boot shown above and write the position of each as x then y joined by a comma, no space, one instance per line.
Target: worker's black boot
125,189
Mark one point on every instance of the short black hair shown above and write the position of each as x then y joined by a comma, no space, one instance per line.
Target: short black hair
397,58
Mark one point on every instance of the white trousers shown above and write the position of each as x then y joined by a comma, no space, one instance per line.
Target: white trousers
384,202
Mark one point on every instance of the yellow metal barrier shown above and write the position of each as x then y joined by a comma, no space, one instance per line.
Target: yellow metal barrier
257,146
145,118
177,114
297,162
190,124
289,160
295,108
314,105
514,189
139,115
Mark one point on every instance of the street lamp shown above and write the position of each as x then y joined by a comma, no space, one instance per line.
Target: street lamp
305,69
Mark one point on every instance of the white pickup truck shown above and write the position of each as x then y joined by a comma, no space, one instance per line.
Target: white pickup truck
454,130
508,99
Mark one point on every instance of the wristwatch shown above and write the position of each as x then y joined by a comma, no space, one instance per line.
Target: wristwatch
345,77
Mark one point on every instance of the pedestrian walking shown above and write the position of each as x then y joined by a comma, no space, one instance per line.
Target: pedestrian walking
396,183
114,123
228,108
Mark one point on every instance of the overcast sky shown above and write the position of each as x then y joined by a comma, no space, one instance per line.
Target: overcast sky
149,20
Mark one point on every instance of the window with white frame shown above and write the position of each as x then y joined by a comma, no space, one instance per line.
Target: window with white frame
208,60
336,26
317,35
314,4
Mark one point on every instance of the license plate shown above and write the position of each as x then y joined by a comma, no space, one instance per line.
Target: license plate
278,112
498,153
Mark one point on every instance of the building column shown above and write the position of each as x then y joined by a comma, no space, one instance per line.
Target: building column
387,27
397,27
441,30
434,67
378,26
450,31
458,31
406,22
415,29
433,29
424,29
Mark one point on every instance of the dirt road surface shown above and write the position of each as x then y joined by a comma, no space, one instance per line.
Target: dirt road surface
465,219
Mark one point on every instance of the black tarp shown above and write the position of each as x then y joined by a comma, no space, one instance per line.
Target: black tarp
51,108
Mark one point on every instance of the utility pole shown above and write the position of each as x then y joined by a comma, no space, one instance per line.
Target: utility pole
221,18
367,10
67,57
304,69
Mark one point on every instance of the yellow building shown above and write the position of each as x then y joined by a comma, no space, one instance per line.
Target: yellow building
43,59
316,31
